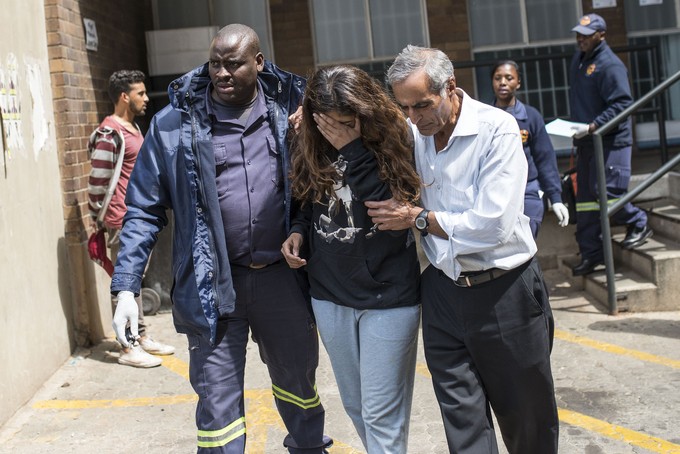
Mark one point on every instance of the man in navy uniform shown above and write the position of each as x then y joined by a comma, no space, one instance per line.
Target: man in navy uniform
599,92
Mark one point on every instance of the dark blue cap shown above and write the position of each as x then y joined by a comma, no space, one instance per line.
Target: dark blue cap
589,24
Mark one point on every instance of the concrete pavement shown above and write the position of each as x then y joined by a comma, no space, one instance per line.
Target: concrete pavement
617,383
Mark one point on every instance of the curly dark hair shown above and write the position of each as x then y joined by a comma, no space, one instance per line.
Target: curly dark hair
348,90
120,82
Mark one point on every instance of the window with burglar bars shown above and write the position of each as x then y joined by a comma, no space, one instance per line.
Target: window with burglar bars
545,84
365,30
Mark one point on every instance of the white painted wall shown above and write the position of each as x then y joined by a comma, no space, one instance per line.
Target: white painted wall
35,309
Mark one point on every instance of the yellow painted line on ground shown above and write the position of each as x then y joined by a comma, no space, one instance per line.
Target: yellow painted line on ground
253,394
177,366
421,369
618,433
595,425
617,350
114,403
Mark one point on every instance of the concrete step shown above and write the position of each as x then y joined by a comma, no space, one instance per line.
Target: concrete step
663,217
655,260
634,292
674,186
646,278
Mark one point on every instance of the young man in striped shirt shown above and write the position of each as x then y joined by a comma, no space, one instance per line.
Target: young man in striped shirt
119,137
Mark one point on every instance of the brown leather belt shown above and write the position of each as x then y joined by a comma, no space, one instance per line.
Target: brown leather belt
258,266
479,277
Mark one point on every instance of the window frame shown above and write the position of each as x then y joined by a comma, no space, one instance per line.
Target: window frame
371,58
525,32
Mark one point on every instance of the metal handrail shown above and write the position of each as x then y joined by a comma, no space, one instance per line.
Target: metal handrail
609,210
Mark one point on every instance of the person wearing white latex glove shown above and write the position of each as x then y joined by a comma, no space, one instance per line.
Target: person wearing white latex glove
543,178
580,130
229,101
119,137
126,313
562,214
599,91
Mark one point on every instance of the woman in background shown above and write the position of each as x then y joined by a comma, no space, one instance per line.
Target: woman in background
543,174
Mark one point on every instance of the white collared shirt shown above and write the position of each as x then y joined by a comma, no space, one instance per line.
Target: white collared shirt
475,186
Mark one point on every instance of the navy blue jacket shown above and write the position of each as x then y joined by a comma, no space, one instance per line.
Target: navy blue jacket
538,150
600,91
175,170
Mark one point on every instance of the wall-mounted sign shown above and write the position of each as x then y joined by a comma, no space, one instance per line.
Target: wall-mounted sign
650,2
91,40
604,4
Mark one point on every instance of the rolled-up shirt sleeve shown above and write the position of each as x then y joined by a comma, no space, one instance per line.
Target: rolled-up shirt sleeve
476,188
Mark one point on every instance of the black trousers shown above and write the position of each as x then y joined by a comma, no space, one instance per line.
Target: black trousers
490,345
271,304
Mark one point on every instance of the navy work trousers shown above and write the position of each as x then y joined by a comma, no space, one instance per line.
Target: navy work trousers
271,304
533,206
490,344
617,173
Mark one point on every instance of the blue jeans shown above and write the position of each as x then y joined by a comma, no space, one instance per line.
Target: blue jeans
373,354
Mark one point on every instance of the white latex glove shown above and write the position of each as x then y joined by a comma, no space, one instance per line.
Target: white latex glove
562,214
126,311
580,130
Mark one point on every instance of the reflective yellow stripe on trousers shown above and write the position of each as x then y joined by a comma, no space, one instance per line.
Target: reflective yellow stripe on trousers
295,400
220,437
591,206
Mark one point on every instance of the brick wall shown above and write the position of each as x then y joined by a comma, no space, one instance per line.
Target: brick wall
292,35
79,80
616,25
447,21
616,21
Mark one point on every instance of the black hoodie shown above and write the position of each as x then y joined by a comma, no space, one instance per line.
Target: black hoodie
351,262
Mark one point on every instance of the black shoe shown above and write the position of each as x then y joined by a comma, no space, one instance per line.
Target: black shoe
586,266
289,443
636,236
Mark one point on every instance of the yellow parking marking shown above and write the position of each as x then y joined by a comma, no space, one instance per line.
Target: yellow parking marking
606,429
631,437
421,369
617,350
176,365
114,403
137,401
262,414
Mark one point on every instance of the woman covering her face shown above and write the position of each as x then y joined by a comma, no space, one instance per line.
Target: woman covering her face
353,145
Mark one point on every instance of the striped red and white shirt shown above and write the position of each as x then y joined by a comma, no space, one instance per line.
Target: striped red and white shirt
104,148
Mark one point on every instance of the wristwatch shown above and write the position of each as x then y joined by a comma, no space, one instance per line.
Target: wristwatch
422,223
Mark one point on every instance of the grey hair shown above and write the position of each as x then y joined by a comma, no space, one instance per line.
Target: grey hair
412,59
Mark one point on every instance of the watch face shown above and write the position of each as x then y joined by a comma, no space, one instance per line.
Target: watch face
421,223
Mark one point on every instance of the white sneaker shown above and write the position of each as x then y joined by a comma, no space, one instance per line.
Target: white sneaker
156,348
137,357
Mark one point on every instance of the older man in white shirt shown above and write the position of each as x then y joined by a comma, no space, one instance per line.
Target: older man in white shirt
487,322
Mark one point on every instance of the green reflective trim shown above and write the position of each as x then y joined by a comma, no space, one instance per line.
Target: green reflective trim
592,206
220,437
295,400
218,443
